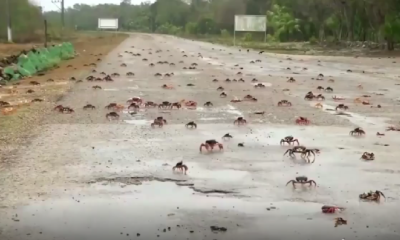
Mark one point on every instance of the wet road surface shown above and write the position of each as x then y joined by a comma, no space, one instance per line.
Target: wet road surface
84,177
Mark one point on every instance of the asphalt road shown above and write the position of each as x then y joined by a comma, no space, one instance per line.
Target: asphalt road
85,177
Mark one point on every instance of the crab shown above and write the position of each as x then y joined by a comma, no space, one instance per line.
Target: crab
357,131
134,106
130,74
291,80
320,88
380,134
123,65
165,86
301,180
340,221
35,83
309,96
137,100
176,105
368,156
180,167
111,106
159,121
149,104
112,116
215,80
208,104
259,113
255,80
108,78
319,105
328,89
210,144
164,105
259,85
320,97
341,107
335,98
223,95
240,121
331,209
227,136
305,153
115,75
289,140
302,121
236,100
372,196
227,80
392,128
66,110
191,125
89,106
284,103
248,97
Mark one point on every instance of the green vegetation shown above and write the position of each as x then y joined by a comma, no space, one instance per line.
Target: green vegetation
368,23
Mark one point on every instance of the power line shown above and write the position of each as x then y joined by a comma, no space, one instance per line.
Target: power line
61,8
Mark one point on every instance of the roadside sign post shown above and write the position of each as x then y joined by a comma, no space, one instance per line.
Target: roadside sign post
250,23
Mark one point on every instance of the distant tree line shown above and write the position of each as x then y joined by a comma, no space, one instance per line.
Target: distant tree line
288,20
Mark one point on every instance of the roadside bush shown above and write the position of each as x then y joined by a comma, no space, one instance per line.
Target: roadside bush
225,33
191,28
248,37
313,40
272,39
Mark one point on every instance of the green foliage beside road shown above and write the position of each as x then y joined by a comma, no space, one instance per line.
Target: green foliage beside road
313,21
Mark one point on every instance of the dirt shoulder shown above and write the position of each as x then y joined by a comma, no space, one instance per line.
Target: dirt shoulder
17,127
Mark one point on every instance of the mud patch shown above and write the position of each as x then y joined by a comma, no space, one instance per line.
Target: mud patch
111,89
140,180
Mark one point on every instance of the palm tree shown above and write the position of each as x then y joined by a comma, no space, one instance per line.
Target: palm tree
282,22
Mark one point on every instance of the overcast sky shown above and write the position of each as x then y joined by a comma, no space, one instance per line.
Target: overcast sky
48,5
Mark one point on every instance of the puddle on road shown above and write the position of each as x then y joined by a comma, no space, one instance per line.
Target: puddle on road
267,84
138,122
133,88
187,73
357,119
228,109
111,89
210,119
234,111
116,215
211,61
167,211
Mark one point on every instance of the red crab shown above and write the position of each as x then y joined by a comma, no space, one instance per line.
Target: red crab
210,144
191,104
331,209
137,100
302,121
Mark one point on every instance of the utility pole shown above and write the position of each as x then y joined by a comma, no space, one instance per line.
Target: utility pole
9,32
62,9
62,14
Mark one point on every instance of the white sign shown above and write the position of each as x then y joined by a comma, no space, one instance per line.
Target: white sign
250,23
108,23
